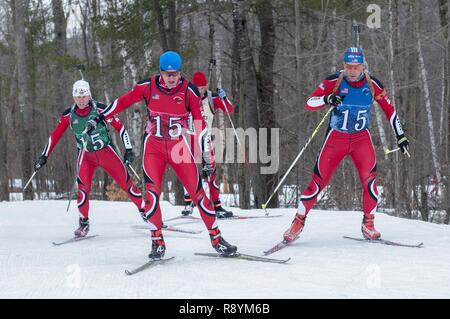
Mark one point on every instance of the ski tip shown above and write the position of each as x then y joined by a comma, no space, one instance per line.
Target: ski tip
268,252
199,254
127,272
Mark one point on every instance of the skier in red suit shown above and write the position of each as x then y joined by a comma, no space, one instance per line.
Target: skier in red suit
95,150
211,103
351,92
170,98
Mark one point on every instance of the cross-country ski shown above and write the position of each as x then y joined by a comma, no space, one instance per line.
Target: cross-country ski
73,240
252,216
282,244
149,264
246,257
385,242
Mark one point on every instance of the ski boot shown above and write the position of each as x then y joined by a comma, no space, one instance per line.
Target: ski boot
83,229
158,245
368,229
143,215
221,212
188,209
221,245
296,228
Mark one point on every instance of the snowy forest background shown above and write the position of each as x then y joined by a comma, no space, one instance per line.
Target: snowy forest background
269,55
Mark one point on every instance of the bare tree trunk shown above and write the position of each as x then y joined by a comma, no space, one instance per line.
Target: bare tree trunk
409,97
267,120
168,37
299,83
101,62
393,170
424,210
61,48
172,34
444,7
244,75
447,153
381,131
4,189
60,82
333,26
20,10
391,60
424,78
443,106
244,187
216,54
161,26
84,25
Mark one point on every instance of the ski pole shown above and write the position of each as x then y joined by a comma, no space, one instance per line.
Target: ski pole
242,148
134,172
29,181
388,151
297,158
80,68
219,85
75,181
407,153
71,192
212,63
231,122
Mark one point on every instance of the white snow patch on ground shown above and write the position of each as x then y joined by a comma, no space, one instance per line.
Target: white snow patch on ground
323,264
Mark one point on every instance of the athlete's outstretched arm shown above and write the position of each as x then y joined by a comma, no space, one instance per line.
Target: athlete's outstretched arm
57,133
126,100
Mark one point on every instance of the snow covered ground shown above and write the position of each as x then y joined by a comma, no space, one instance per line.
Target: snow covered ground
323,265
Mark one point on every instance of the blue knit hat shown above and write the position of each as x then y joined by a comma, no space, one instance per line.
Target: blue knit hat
353,55
170,61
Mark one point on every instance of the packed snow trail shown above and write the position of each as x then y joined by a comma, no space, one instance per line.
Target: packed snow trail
322,265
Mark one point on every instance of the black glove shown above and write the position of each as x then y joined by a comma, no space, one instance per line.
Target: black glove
92,124
403,143
333,99
208,169
41,161
128,158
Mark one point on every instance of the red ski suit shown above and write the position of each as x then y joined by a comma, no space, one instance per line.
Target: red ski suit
87,162
165,144
338,144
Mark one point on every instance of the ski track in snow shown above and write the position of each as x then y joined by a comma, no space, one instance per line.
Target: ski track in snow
323,264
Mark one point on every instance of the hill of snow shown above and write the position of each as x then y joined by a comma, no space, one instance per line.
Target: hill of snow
323,264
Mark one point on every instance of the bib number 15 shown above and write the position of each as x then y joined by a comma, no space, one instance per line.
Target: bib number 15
97,142
175,128
360,121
